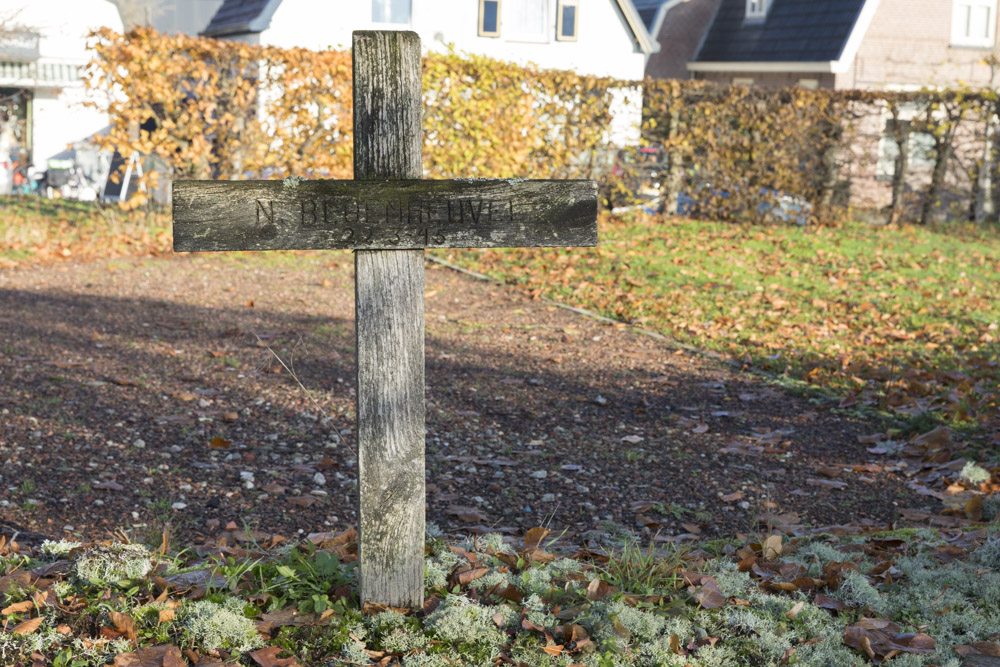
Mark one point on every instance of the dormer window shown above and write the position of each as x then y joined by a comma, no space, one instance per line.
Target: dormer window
757,10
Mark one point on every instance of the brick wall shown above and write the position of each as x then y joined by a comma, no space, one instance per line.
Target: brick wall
909,44
679,38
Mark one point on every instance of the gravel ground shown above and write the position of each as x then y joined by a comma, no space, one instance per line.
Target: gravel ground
143,392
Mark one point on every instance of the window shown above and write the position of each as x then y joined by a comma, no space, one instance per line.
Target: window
757,9
526,20
390,11
742,81
973,23
568,17
489,18
809,84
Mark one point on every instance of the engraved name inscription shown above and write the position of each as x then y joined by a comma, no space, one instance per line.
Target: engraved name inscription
352,212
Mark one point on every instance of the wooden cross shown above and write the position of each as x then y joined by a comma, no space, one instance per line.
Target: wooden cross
388,216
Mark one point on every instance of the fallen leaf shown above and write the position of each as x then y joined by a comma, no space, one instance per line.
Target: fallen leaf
219,442
268,657
124,625
27,627
881,639
597,589
794,611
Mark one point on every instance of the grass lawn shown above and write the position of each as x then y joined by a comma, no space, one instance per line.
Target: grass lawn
904,319
34,229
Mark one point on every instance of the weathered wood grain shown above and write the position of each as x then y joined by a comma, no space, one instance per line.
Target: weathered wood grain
389,308
327,214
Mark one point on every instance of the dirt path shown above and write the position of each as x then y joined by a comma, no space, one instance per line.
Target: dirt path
116,377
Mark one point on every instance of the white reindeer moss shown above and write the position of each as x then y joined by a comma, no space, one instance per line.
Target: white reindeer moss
974,474
468,625
58,548
214,626
113,562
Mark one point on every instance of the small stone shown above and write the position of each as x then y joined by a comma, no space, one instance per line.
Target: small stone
540,474
246,476
319,479
98,502
633,439
318,492
179,506
582,489
549,498
744,505
69,529
600,400
139,444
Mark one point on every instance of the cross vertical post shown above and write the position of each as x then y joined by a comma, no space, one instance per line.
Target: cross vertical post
389,312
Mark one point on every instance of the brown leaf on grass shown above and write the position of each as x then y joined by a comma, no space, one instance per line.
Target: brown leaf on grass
771,549
732,497
795,610
464,578
824,602
268,657
109,485
534,537
124,625
597,589
19,579
18,607
167,615
553,650
27,627
167,655
512,593
939,437
303,501
978,648
882,640
947,553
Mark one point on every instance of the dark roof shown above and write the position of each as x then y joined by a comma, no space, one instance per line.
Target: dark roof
240,16
794,31
647,10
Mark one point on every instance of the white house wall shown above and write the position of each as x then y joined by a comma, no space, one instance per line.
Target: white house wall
605,46
58,115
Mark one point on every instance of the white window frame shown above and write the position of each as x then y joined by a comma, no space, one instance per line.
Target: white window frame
384,24
809,84
540,38
559,20
961,18
482,17
757,10
743,81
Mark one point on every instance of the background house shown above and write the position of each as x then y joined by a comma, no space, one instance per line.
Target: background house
845,44
43,54
599,37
